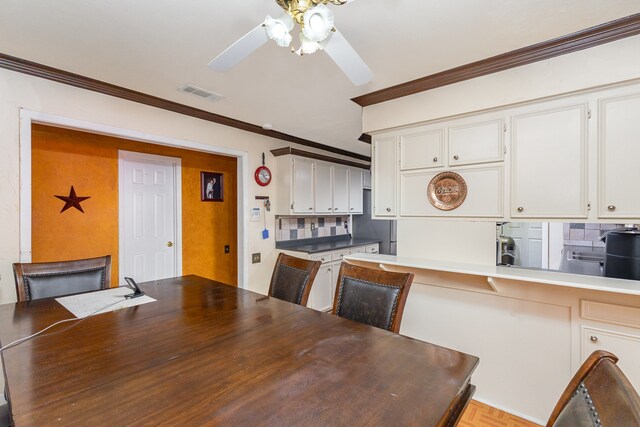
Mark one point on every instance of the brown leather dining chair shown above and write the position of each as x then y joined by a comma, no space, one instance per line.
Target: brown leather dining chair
370,296
598,395
293,278
53,279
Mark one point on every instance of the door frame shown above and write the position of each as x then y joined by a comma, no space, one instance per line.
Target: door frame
176,164
29,117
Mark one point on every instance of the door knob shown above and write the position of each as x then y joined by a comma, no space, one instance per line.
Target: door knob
594,338
611,207
388,209
435,159
456,157
520,208
169,244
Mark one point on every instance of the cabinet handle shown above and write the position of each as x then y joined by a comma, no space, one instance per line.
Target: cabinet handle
435,159
611,207
456,157
594,338
388,209
520,208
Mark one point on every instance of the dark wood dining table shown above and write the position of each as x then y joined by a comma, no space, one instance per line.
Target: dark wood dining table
206,353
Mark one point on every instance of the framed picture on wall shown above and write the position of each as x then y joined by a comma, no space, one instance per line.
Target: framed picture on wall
211,187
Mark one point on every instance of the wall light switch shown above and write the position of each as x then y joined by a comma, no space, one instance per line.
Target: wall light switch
255,258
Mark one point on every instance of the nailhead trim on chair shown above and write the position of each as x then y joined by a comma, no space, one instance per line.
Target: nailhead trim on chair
592,409
61,273
302,288
395,301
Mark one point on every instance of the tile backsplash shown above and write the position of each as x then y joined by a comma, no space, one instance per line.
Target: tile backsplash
291,228
586,234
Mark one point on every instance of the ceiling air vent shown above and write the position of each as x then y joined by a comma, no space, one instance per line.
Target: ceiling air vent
202,93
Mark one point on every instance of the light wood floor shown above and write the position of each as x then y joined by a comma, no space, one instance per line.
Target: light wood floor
480,415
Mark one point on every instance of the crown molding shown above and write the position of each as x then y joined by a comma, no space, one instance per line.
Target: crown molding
365,137
583,39
294,151
54,74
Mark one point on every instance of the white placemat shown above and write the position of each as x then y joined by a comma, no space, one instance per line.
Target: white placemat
84,305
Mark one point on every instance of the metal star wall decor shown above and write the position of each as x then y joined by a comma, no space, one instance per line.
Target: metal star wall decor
72,201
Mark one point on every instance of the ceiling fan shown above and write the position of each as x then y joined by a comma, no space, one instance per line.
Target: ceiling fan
317,32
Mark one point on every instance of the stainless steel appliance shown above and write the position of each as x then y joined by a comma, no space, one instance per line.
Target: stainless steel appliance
622,253
365,227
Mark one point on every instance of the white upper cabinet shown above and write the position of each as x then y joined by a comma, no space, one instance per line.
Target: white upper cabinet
422,149
302,186
619,151
355,190
323,187
340,189
484,193
476,143
549,163
385,176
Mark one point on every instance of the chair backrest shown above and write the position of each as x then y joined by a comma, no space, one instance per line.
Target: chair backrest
598,395
52,279
373,297
292,279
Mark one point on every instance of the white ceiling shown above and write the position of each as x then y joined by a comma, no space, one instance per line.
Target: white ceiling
155,46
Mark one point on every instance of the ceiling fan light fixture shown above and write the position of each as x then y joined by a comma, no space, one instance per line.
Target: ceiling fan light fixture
307,46
318,23
278,29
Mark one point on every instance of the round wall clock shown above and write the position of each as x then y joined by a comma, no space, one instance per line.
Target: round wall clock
263,176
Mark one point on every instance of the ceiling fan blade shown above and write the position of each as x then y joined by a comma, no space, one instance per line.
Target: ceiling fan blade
345,56
240,49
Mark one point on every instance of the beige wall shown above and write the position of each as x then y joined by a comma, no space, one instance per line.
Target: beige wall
22,91
474,242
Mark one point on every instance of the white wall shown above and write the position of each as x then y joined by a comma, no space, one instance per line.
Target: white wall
474,242
22,91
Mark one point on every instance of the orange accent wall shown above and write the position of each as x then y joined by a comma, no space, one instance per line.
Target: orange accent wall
62,158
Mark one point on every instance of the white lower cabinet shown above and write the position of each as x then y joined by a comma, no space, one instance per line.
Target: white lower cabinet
484,193
624,345
321,297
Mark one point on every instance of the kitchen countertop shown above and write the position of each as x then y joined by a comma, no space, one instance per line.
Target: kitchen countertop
596,283
324,244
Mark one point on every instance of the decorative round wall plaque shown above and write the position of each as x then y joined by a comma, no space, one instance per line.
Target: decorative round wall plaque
447,191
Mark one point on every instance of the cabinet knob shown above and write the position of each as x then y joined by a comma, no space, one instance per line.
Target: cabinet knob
520,208
435,159
351,209
388,209
456,157
329,209
322,259
611,207
594,338
335,209
310,209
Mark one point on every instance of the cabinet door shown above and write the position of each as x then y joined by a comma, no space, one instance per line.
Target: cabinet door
355,190
323,188
340,189
321,297
484,193
625,346
384,173
302,186
619,153
422,150
549,170
476,143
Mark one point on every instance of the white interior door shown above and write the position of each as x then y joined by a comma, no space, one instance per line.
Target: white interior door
531,241
150,247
